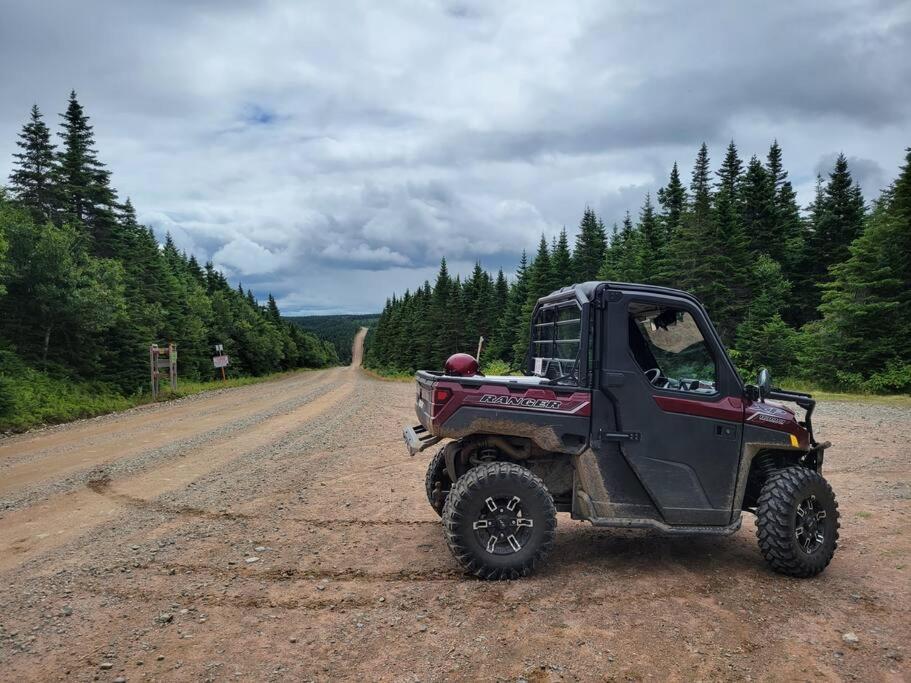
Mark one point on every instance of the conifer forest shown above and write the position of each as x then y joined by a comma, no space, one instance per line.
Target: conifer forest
820,293
85,290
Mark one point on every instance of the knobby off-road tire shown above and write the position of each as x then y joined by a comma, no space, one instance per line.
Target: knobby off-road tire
437,482
499,521
797,522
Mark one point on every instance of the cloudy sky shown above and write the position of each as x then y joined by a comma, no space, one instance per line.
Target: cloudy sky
332,152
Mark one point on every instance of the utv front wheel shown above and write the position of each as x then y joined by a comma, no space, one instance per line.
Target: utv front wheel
797,522
500,521
437,482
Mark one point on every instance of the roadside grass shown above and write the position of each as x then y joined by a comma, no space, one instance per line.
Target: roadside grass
33,398
895,400
388,375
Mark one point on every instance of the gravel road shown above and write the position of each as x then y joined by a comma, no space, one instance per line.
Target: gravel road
279,532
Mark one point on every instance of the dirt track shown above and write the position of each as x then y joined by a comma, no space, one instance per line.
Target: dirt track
127,546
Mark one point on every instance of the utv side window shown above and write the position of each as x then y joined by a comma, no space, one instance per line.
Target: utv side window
670,349
557,341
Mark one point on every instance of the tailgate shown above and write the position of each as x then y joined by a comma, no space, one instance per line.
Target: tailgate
424,400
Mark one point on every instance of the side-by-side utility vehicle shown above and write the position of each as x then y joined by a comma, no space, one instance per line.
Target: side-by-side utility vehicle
631,414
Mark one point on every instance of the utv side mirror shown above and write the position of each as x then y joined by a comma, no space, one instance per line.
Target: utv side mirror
764,382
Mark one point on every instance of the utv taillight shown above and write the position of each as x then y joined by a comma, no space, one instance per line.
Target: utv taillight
441,395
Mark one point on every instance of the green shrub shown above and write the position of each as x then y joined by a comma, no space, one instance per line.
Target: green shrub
34,398
495,366
896,378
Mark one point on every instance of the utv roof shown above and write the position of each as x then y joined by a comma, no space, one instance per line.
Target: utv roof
585,292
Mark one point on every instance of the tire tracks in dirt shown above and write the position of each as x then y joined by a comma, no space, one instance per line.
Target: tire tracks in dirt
37,529
98,431
22,477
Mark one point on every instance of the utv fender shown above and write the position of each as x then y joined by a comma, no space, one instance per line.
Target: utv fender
550,432
759,441
450,452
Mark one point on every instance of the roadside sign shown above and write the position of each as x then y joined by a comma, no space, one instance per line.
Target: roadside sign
163,359
220,361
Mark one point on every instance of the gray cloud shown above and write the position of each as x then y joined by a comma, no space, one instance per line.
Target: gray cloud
333,153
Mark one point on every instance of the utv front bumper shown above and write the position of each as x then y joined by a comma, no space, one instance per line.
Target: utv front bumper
417,439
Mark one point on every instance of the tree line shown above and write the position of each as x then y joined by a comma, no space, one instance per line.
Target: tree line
822,294
85,288
340,330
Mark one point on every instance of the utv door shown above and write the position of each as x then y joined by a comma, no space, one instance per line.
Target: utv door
673,390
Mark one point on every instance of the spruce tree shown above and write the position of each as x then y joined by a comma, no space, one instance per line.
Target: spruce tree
763,338
730,171
83,181
31,181
272,310
775,166
504,342
789,230
836,219
697,263
627,252
561,263
501,294
539,284
732,262
866,325
651,243
689,242
673,200
591,243
788,225
610,266
377,354
806,295
458,315
446,340
479,304
424,332
841,217
758,210
541,276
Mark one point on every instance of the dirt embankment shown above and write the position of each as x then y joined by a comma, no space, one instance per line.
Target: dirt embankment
278,531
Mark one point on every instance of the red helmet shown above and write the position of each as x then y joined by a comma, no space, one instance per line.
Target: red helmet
461,365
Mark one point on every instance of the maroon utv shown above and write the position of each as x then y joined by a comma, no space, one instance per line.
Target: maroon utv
632,415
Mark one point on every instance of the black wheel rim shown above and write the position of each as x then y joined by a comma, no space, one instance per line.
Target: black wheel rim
810,525
502,527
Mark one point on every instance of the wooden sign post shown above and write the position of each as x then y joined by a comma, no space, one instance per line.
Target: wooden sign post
163,359
220,360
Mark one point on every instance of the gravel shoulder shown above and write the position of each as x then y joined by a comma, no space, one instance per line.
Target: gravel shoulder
299,546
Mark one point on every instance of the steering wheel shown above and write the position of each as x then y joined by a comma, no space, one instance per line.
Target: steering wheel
652,375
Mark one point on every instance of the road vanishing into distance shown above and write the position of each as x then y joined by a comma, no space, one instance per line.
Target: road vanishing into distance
279,531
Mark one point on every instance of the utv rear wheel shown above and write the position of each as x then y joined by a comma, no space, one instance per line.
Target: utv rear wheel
797,522
437,482
500,521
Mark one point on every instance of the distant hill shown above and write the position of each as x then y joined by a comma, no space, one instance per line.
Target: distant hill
336,329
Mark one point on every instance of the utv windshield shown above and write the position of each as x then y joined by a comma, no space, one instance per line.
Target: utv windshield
670,349
557,342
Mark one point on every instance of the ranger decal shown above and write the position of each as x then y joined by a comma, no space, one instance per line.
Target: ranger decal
519,401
